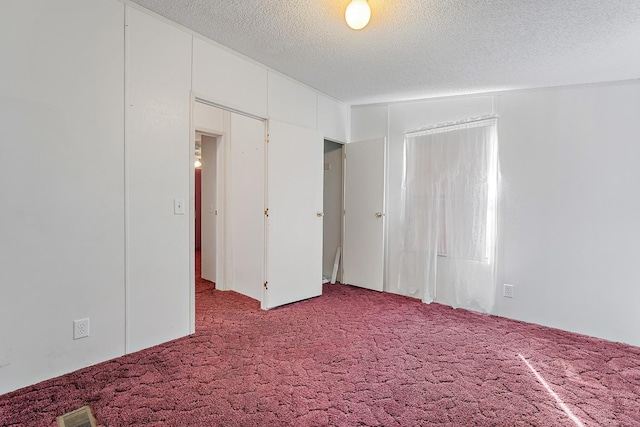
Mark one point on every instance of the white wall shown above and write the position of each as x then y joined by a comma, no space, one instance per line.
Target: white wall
96,193
222,77
292,102
208,119
369,122
158,163
227,79
334,119
61,185
566,203
569,208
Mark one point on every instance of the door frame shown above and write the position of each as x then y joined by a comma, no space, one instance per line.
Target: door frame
220,242
385,221
221,205
224,270
343,165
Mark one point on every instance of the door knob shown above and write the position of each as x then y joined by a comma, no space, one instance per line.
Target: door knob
320,214
379,214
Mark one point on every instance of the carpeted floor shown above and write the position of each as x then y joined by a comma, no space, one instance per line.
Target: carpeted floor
350,357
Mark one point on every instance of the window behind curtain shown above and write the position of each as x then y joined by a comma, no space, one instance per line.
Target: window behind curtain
449,209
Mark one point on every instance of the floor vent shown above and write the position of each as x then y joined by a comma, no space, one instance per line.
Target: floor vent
79,418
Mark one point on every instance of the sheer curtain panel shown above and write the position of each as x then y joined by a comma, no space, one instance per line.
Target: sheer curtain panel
449,214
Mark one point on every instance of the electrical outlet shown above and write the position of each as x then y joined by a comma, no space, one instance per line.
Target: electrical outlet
508,291
80,328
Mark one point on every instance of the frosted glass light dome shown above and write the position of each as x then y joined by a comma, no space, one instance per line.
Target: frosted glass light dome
358,14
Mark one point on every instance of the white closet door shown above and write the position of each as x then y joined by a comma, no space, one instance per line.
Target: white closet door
363,261
247,205
294,225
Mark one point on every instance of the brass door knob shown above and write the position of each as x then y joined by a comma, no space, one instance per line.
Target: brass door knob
320,214
379,214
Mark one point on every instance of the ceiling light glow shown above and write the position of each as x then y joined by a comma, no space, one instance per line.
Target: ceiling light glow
358,14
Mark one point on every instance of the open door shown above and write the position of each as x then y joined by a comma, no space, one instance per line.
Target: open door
294,214
208,201
363,257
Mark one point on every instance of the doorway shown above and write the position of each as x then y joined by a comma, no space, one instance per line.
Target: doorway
333,211
208,207
251,165
205,204
232,193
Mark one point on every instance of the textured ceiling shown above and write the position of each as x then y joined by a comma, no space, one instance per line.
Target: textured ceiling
424,48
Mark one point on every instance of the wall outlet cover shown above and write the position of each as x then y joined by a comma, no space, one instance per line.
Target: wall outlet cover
508,291
80,328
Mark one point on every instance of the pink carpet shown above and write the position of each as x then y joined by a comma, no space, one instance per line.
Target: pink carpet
350,357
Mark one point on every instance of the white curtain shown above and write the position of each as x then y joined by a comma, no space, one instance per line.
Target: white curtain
449,214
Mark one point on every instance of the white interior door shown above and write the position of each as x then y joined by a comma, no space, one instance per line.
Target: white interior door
294,223
208,241
247,205
363,255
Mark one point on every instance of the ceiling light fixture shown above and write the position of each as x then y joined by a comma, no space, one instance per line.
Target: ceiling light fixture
358,14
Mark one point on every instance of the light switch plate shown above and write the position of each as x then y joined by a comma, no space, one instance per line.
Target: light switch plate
178,207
